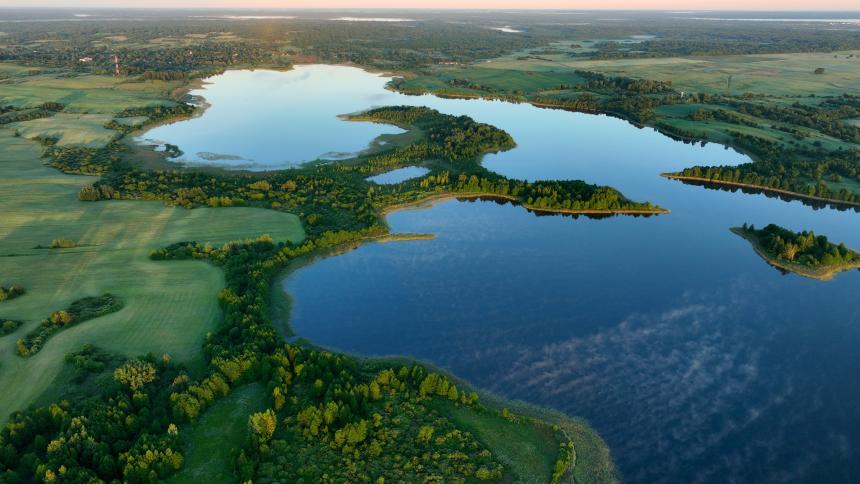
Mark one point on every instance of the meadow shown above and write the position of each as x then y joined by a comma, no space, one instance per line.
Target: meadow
789,74
169,307
23,87
84,130
211,440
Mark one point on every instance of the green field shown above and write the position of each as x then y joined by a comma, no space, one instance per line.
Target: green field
508,80
26,87
169,306
774,74
525,449
82,130
210,441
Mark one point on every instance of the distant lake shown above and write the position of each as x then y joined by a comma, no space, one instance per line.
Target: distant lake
693,358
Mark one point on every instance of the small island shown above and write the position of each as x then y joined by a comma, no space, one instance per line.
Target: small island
802,253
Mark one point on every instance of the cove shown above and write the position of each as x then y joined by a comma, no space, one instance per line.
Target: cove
692,357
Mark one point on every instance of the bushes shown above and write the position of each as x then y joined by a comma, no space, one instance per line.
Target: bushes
805,178
11,292
9,326
80,311
63,244
88,361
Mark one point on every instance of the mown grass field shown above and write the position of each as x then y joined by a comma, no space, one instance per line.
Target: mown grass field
510,80
83,130
27,87
211,440
169,306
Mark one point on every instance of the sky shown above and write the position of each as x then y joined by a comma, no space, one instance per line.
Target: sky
456,4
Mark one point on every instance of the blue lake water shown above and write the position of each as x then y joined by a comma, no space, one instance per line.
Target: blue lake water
398,175
692,357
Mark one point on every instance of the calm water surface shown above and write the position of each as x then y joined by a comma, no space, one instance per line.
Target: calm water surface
398,175
693,358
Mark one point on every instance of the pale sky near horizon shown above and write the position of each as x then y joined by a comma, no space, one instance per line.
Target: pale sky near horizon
804,5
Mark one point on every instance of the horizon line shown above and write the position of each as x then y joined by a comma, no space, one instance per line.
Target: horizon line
426,9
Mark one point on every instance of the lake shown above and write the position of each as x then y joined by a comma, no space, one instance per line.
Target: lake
693,358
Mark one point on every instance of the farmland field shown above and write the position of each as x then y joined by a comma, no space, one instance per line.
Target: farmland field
84,130
774,74
169,306
23,87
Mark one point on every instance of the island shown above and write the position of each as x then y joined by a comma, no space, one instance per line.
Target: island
802,253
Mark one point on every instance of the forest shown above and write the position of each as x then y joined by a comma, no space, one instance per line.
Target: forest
805,178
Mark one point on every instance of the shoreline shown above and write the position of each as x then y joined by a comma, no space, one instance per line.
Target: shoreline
443,196
723,183
588,443
550,105
817,273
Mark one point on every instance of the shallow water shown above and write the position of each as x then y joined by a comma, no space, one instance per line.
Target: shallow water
692,357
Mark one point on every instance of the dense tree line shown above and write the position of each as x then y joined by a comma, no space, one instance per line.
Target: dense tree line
804,177
78,312
803,248
598,81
